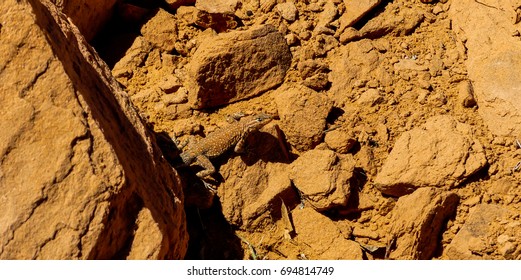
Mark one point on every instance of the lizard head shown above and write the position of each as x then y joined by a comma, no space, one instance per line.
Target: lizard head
259,120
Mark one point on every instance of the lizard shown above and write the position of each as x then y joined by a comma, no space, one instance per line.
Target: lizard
220,141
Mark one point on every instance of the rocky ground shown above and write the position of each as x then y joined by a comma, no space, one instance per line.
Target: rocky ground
396,131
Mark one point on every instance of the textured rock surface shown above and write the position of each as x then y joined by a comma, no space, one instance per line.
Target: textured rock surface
78,168
382,84
443,152
237,65
340,141
217,6
323,178
492,56
161,31
402,23
355,10
255,183
478,236
418,219
323,239
303,114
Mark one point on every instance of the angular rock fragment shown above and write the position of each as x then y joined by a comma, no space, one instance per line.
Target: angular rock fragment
322,239
303,114
287,11
355,10
417,221
161,30
237,65
402,23
442,152
323,178
357,59
255,197
217,6
340,141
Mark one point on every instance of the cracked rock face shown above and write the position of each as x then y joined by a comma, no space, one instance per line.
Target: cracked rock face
78,171
442,152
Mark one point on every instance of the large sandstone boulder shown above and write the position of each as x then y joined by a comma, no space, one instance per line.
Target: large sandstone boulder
237,65
80,177
441,153
493,60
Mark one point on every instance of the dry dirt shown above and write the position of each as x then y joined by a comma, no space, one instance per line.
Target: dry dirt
351,91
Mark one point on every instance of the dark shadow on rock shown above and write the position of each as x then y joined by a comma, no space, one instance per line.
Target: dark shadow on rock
211,236
351,211
119,33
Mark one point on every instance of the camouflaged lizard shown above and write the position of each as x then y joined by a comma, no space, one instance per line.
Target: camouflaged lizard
220,141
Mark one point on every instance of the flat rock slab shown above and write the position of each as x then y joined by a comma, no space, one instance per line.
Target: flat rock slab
418,219
237,65
303,114
78,166
323,178
355,10
442,152
493,60
479,235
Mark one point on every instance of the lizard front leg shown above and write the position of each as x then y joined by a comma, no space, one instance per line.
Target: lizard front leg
206,164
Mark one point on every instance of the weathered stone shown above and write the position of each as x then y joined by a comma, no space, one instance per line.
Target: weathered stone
340,141
477,238
135,56
303,114
327,15
466,94
237,65
88,15
442,152
491,62
323,178
322,239
370,97
78,165
417,221
389,22
287,11
217,6
357,59
161,30
355,10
